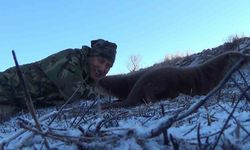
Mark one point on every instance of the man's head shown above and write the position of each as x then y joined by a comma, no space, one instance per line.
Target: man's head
101,58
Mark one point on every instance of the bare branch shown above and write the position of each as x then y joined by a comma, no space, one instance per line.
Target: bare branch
198,136
165,133
134,63
224,126
103,122
175,143
21,131
28,99
60,110
68,139
242,76
83,115
242,91
237,121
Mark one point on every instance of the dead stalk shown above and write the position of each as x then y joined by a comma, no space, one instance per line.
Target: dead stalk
165,133
60,110
199,137
28,99
224,126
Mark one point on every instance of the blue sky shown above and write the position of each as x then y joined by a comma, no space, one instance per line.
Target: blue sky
150,29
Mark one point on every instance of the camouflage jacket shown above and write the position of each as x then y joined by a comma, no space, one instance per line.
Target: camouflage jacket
50,80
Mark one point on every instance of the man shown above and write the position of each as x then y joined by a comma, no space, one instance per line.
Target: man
54,79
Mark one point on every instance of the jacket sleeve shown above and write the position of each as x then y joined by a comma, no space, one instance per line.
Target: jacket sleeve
67,70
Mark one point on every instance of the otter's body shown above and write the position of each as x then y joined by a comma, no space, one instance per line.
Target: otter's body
121,85
169,82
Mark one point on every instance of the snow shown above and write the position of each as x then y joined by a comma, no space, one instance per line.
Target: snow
183,130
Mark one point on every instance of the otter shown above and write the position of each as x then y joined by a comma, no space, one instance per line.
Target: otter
157,83
120,85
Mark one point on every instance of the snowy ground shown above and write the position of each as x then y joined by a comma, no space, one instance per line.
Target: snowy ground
83,126
115,132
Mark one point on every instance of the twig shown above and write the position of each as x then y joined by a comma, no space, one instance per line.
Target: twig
175,143
207,143
14,136
237,121
98,126
198,136
67,139
190,130
54,136
80,128
26,137
60,110
103,122
242,91
29,102
242,76
148,118
25,121
85,112
21,131
224,126
210,135
165,133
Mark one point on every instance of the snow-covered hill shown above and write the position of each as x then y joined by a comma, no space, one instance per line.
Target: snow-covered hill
218,120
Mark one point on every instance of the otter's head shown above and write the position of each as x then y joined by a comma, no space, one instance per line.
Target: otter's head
115,85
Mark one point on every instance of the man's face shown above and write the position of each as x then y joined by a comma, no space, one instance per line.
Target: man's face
99,67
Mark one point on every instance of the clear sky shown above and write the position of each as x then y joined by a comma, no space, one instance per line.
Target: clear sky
151,29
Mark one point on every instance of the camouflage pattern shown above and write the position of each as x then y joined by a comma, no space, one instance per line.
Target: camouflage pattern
50,81
103,48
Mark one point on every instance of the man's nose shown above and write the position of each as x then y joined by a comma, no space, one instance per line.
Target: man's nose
103,68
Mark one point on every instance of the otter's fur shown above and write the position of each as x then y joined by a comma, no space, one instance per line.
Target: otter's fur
168,82
121,85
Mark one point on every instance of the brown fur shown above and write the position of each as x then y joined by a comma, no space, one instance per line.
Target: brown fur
168,82
121,85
